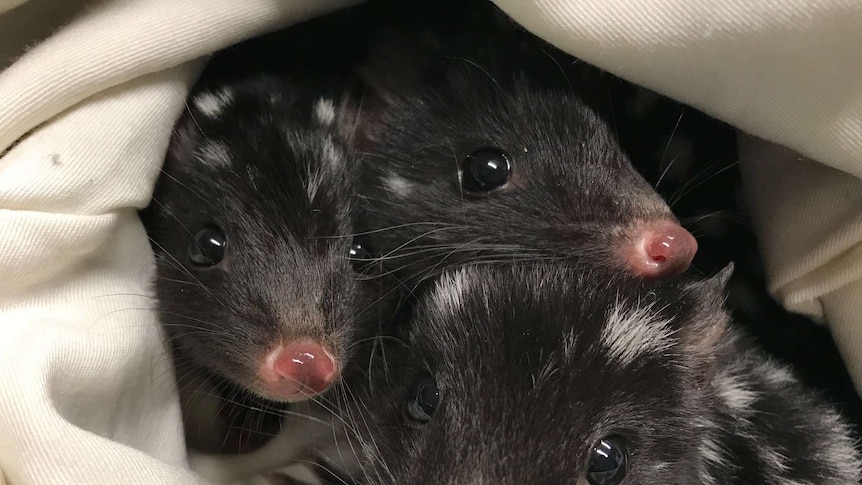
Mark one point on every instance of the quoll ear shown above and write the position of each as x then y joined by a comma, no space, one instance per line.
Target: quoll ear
391,72
715,285
703,335
397,63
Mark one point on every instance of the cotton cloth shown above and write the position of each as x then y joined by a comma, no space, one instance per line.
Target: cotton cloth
788,75
89,91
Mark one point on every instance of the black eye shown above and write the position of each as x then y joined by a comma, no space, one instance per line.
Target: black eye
360,252
608,462
208,247
422,400
485,170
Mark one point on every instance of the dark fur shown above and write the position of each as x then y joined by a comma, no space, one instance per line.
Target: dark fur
286,274
437,94
691,159
516,407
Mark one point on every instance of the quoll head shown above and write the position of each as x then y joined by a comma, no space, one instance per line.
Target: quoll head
483,148
251,222
537,374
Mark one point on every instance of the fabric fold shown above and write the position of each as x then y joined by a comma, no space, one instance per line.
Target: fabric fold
89,92
88,98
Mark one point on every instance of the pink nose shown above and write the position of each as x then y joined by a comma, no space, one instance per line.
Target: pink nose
297,371
662,249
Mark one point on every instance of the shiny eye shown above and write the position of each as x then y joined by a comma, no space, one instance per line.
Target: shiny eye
608,462
485,170
360,253
422,400
208,247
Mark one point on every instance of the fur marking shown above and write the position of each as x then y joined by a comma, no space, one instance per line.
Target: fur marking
629,334
211,104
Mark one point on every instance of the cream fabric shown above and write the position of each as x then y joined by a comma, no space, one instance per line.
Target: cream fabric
809,221
88,94
86,393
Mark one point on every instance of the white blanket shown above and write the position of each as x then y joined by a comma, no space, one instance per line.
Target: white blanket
89,92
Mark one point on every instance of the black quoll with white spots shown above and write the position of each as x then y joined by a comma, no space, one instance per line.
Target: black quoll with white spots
251,223
486,144
541,374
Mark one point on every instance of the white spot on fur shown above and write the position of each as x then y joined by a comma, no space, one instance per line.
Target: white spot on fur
331,153
703,424
324,111
569,343
397,184
313,185
710,452
837,448
774,458
775,374
214,154
211,104
734,392
450,292
631,333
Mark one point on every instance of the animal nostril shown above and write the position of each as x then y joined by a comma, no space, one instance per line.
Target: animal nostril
662,249
296,371
659,258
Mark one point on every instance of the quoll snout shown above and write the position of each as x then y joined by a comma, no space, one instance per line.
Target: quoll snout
299,370
661,249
